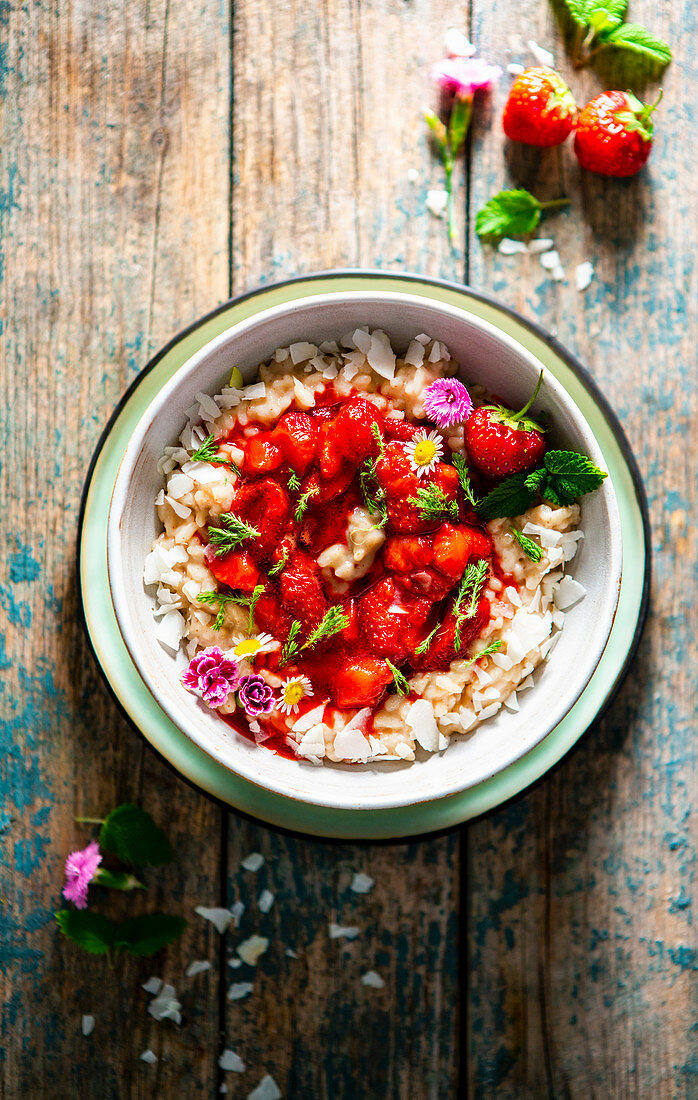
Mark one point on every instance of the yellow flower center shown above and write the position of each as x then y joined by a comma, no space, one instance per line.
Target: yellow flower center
248,648
424,452
293,693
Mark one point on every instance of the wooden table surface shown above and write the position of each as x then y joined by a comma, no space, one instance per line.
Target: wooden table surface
157,157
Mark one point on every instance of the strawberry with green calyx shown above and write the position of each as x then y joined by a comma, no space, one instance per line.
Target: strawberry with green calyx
614,134
500,442
540,109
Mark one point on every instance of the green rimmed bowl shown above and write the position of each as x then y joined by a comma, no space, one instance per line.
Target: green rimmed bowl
288,809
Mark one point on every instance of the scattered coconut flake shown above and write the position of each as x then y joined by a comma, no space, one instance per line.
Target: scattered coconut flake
513,596
531,629
302,351
306,721
412,175
527,683
540,244
550,260
414,356
422,338
437,201
267,1089
221,918
350,370
568,592
160,498
438,352
457,44
238,990
166,1006
208,407
489,711
312,744
403,750
197,967
514,69
343,931
362,340
381,356
545,535
149,1056
252,949
548,646
422,721
509,247
170,630
290,953
236,911
265,901
558,619
583,274
230,1061
181,510
543,57
178,485
255,391
329,347
350,744
253,861
512,703
361,883
304,397
153,985
235,963
87,1024
372,979
503,661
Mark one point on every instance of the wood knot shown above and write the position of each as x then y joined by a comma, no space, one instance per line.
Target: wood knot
160,139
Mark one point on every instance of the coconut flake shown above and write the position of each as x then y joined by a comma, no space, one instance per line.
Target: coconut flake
343,931
568,592
199,966
149,1056
457,44
153,985
370,978
220,918
265,901
550,260
208,408
312,744
508,247
414,356
361,883
302,351
540,244
543,57
178,485
349,371
437,201
170,630
267,1089
253,861
306,721
512,703
350,744
304,397
252,949
514,69
238,990
232,1062
513,596
362,340
381,356
545,535
421,719
583,274
531,629
256,391
87,1025
166,1006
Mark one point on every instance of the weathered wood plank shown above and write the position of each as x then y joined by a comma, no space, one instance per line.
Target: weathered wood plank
582,945
326,124
114,232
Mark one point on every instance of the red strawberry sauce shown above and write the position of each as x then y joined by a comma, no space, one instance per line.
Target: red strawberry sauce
411,586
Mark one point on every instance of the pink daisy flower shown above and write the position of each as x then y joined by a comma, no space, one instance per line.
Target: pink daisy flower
447,402
80,869
463,76
212,676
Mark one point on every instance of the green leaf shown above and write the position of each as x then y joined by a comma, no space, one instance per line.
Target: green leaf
529,547
510,498
148,934
117,880
132,835
596,13
571,476
508,213
633,37
91,931
535,480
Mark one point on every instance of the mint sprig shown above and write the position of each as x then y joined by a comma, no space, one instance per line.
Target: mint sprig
564,476
601,25
132,835
139,936
512,214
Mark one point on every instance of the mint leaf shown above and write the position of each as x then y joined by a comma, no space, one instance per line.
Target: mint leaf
117,880
529,547
508,213
132,835
510,498
571,476
91,931
535,480
597,13
632,36
148,934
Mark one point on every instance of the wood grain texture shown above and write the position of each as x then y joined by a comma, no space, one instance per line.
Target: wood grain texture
583,949
114,199
321,156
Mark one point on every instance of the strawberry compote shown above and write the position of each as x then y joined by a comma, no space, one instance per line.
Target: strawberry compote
308,483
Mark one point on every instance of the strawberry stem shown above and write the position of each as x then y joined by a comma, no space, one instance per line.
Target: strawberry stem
554,202
522,412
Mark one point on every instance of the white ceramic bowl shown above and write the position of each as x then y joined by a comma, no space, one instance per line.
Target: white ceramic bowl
487,356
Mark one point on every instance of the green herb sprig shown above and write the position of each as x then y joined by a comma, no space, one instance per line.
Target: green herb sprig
424,645
471,585
432,503
564,476
512,214
400,681
207,453
491,648
334,620
232,534
294,482
529,547
464,479
225,598
372,493
277,569
600,26
290,647
304,502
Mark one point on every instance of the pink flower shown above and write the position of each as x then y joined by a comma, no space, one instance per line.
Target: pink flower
463,76
255,696
447,402
80,869
212,676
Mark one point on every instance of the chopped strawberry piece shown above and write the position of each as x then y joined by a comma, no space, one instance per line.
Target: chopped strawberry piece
328,490
400,483
261,455
391,619
265,506
296,436
301,590
269,614
407,553
237,569
348,436
359,682
442,650
403,430
454,547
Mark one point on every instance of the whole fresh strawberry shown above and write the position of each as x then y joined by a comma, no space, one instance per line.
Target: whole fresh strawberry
540,109
501,442
614,134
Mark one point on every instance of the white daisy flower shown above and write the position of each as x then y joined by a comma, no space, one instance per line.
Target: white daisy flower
424,451
247,648
292,691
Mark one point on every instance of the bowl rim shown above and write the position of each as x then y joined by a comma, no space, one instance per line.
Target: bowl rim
118,590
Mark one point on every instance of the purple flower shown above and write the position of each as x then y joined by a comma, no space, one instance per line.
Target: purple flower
255,696
212,676
463,76
80,869
447,402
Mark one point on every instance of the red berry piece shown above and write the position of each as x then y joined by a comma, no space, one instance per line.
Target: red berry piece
359,682
501,442
540,109
442,650
614,134
237,569
261,455
391,619
301,591
296,436
454,547
264,505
